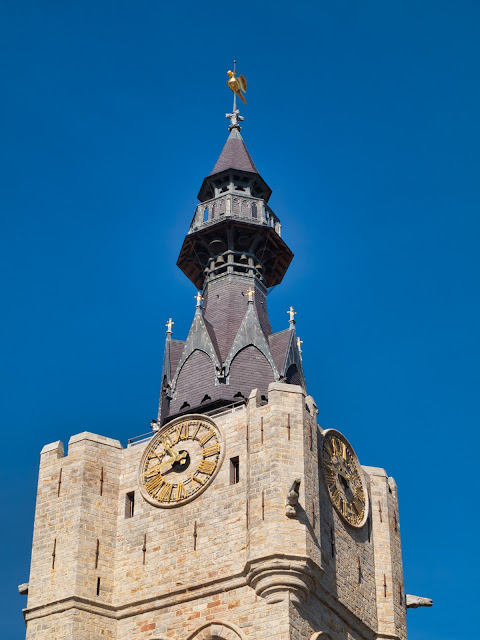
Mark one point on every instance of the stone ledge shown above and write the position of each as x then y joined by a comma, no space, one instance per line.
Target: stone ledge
375,471
282,386
93,437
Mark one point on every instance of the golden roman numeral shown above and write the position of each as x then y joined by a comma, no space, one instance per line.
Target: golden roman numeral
344,451
212,450
152,485
204,439
199,480
165,492
185,431
180,491
152,456
206,466
198,425
175,433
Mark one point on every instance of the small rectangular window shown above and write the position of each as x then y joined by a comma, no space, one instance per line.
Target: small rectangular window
234,470
130,504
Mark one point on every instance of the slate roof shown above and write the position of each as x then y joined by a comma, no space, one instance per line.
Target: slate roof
278,347
234,155
176,348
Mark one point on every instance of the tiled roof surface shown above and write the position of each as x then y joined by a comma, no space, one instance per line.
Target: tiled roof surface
278,347
176,348
234,155
225,308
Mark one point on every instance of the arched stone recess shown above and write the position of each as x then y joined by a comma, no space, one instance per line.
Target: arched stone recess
293,359
218,630
250,333
197,371
321,635
198,339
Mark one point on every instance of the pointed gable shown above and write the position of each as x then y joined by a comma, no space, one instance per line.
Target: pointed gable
198,339
251,333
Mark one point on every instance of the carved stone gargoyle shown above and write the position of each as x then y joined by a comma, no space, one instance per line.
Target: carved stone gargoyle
413,602
292,499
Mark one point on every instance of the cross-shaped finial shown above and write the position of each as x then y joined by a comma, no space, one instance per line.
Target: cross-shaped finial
169,325
235,118
299,344
250,294
199,299
292,315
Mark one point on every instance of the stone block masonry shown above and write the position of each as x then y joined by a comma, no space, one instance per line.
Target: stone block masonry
229,564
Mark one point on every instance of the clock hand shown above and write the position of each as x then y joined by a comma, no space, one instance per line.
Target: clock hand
160,468
170,451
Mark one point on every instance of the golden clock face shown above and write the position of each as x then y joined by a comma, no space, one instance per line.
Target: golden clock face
180,461
344,477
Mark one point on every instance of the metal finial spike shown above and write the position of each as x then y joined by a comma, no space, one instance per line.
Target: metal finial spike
250,293
292,314
199,299
169,325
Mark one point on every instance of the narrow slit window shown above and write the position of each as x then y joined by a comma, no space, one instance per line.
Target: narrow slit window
234,470
130,504
98,586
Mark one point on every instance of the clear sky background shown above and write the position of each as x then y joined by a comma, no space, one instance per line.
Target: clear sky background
363,117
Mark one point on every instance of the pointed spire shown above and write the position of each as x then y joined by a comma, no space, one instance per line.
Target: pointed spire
234,155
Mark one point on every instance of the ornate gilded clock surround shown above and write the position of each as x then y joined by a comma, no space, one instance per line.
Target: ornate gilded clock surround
181,461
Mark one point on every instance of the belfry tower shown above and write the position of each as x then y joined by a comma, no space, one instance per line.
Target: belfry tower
238,517
233,253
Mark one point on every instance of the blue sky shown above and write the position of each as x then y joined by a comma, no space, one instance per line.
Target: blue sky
364,120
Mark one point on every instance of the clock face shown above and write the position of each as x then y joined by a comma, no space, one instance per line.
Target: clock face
344,478
180,461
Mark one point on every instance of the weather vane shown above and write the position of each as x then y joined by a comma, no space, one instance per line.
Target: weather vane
237,86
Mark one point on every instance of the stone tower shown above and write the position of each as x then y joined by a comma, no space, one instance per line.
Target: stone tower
238,518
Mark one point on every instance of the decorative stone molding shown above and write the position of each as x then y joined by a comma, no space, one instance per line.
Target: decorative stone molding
282,576
218,630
